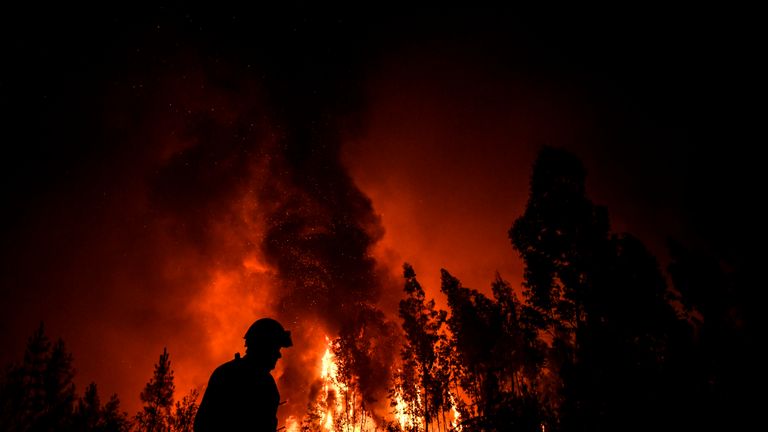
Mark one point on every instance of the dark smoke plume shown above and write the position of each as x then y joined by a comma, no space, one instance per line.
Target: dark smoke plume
277,143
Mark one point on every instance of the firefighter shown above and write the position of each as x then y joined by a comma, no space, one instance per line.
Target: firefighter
241,394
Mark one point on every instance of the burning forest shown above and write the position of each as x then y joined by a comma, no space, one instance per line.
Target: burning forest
413,205
592,340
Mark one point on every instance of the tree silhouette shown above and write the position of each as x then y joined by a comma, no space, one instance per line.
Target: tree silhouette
38,394
156,415
496,358
22,389
112,418
184,412
519,358
475,328
424,377
91,416
87,415
59,389
716,374
599,297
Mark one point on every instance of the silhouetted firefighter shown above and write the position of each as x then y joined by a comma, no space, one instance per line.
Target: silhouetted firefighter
241,394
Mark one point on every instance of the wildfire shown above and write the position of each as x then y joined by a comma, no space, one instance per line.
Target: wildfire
407,414
456,422
338,407
331,387
401,412
292,425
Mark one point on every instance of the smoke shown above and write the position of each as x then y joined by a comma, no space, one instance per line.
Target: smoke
318,231
253,184
185,177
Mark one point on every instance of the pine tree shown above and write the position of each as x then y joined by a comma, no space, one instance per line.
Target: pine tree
112,418
184,412
22,389
38,394
160,413
91,416
87,415
157,397
59,389
32,380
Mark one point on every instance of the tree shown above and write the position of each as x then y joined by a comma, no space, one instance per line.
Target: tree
112,418
91,416
496,358
88,411
599,297
157,396
160,413
425,339
23,389
38,394
184,412
475,328
59,389
716,369
519,360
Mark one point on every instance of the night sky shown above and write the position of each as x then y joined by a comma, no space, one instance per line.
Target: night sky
169,174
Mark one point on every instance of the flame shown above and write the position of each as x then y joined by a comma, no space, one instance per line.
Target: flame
410,421
292,425
401,415
338,405
456,422
331,386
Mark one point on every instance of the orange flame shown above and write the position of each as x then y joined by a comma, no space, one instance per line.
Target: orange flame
338,405
405,420
456,422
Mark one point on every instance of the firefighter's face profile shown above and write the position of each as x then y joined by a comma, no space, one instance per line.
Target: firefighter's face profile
266,355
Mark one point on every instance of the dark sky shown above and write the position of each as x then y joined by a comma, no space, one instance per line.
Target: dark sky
149,153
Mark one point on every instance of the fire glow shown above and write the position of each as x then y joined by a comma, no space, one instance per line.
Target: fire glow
340,406
231,216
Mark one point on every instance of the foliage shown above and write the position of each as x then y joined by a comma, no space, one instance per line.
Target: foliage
39,394
423,380
158,398
160,413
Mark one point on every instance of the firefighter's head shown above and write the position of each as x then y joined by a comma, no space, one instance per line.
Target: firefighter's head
264,339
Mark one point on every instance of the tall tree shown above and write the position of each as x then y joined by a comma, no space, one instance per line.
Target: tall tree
38,394
59,389
156,415
561,238
601,299
423,327
720,364
475,328
496,357
519,360
24,388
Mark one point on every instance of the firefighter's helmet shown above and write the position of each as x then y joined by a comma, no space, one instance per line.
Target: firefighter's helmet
268,331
